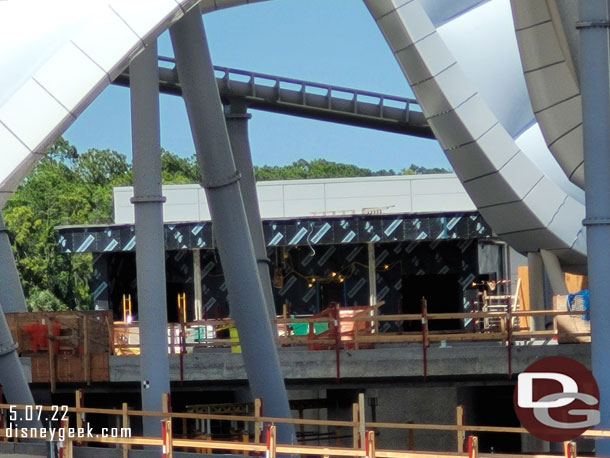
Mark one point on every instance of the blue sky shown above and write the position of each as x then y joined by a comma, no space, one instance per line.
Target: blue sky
327,41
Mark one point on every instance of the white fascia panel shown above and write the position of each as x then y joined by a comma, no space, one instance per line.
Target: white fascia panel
545,200
532,241
527,13
465,124
513,182
156,14
32,113
511,217
269,193
567,224
303,207
12,155
398,189
380,8
357,204
415,20
449,202
303,191
175,213
271,209
490,190
539,46
445,91
488,154
569,147
561,118
551,85
394,32
108,41
425,59
68,87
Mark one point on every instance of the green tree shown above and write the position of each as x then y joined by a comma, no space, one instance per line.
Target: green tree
317,168
418,170
179,170
51,195
64,188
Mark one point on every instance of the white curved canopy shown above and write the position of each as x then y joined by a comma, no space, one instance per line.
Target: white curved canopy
463,65
470,85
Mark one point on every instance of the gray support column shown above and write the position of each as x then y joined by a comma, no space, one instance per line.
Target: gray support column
14,383
150,242
237,126
11,292
197,290
536,281
554,272
220,180
595,90
372,274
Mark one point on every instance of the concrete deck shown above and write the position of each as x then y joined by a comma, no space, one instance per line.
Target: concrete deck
406,361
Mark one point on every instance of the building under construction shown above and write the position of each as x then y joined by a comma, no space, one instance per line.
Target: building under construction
333,317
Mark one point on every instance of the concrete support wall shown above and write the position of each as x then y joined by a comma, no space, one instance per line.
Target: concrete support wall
419,405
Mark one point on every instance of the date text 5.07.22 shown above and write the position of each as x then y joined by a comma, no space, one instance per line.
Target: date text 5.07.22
35,413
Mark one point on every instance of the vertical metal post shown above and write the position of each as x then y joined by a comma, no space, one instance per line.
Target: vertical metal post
372,274
237,125
197,284
150,241
595,90
221,182
11,293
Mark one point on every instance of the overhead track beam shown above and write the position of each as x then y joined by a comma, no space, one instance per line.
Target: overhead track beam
309,100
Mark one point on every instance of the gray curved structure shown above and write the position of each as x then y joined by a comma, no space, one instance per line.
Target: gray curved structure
472,91
515,150
548,52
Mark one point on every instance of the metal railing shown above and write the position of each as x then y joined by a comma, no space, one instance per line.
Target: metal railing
308,99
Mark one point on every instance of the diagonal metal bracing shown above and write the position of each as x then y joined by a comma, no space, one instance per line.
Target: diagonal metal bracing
307,99
221,182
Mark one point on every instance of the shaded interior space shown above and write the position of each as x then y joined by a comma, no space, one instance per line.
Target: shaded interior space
442,295
492,406
307,281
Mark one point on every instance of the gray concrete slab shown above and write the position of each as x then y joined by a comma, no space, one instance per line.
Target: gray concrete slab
405,361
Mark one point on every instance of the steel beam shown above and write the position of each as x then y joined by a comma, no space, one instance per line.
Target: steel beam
221,182
595,89
237,117
150,241
342,105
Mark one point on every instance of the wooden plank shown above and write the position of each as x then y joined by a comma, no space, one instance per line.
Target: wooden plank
461,434
51,357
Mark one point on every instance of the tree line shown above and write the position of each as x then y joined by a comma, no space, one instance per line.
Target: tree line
71,188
